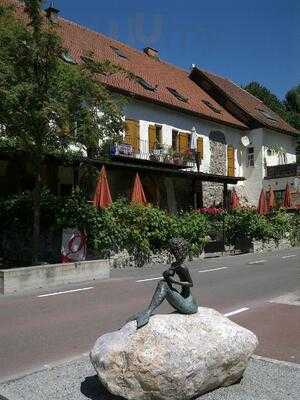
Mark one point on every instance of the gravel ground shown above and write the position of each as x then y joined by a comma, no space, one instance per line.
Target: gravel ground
76,380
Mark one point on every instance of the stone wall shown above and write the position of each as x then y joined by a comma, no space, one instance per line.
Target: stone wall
213,192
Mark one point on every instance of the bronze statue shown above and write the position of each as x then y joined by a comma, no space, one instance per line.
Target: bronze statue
183,300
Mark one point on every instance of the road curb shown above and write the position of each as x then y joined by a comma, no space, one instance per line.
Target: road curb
277,362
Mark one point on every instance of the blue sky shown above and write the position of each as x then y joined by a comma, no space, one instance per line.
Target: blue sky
242,40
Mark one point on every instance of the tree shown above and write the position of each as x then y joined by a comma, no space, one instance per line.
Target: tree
292,103
46,103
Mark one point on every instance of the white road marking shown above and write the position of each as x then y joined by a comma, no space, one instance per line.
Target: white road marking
236,311
149,279
257,262
213,269
290,256
66,291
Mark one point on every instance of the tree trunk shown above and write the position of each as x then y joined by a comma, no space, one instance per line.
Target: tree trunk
36,218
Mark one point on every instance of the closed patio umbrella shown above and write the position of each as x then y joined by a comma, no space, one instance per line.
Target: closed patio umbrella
262,204
287,201
193,143
271,199
138,195
234,199
102,196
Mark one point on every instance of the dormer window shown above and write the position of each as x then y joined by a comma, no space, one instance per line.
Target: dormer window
66,56
211,106
178,95
146,84
119,52
267,114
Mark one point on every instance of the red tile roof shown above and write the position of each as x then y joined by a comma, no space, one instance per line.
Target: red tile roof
249,103
80,40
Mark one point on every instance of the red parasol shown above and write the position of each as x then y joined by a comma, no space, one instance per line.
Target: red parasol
271,199
262,204
102,196
287,202
234,200
138,195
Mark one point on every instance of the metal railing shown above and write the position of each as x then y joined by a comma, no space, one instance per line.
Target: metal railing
140,149
283,170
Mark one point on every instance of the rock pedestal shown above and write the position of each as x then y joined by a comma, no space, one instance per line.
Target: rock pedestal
174,357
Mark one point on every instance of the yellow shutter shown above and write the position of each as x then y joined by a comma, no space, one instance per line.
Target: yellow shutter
230,160
200,147
152,137
183,142
132,134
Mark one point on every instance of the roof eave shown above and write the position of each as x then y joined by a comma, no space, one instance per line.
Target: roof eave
173,107
202,73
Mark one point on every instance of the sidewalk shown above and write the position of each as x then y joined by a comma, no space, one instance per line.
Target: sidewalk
263,380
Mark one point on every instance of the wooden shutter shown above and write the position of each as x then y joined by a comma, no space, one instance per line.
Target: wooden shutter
230,160
183,142
152,137
132,134
200,147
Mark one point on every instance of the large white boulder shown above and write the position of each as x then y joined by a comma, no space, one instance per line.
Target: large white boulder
174,357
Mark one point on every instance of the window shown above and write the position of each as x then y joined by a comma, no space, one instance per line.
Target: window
119,52
250,156
146,84
230,160
211,106
178,95
66,56
132,134
175,140
154,137
268,114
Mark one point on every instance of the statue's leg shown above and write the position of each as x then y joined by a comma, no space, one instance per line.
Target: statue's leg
184,305
159,296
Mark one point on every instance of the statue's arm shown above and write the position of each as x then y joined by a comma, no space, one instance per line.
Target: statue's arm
187,283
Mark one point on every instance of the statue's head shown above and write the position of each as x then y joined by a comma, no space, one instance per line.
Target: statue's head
179,248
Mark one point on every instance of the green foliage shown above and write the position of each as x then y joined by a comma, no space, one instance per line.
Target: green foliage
247,224
194,227
244,224
282,225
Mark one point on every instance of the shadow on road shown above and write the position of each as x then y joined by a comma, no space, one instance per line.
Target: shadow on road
92,389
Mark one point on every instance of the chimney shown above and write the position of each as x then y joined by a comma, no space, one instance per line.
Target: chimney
151,52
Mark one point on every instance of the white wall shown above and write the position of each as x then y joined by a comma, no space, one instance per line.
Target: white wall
287,142
253,175
148,113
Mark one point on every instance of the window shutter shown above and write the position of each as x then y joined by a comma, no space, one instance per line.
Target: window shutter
200,147
152,137
230,160
183,142
132,134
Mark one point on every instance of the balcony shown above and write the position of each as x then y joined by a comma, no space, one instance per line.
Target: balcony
138,150
282,171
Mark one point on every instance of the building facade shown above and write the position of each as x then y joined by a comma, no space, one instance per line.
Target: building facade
192,135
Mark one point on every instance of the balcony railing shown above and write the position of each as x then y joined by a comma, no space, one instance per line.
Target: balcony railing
281,171
139,149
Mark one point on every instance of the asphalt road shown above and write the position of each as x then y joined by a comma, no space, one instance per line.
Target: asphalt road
260,292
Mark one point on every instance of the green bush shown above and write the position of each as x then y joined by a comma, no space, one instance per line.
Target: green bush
194,227
245,224
138,229
282,225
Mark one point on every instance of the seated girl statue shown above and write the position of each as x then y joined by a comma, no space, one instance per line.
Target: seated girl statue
182,300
